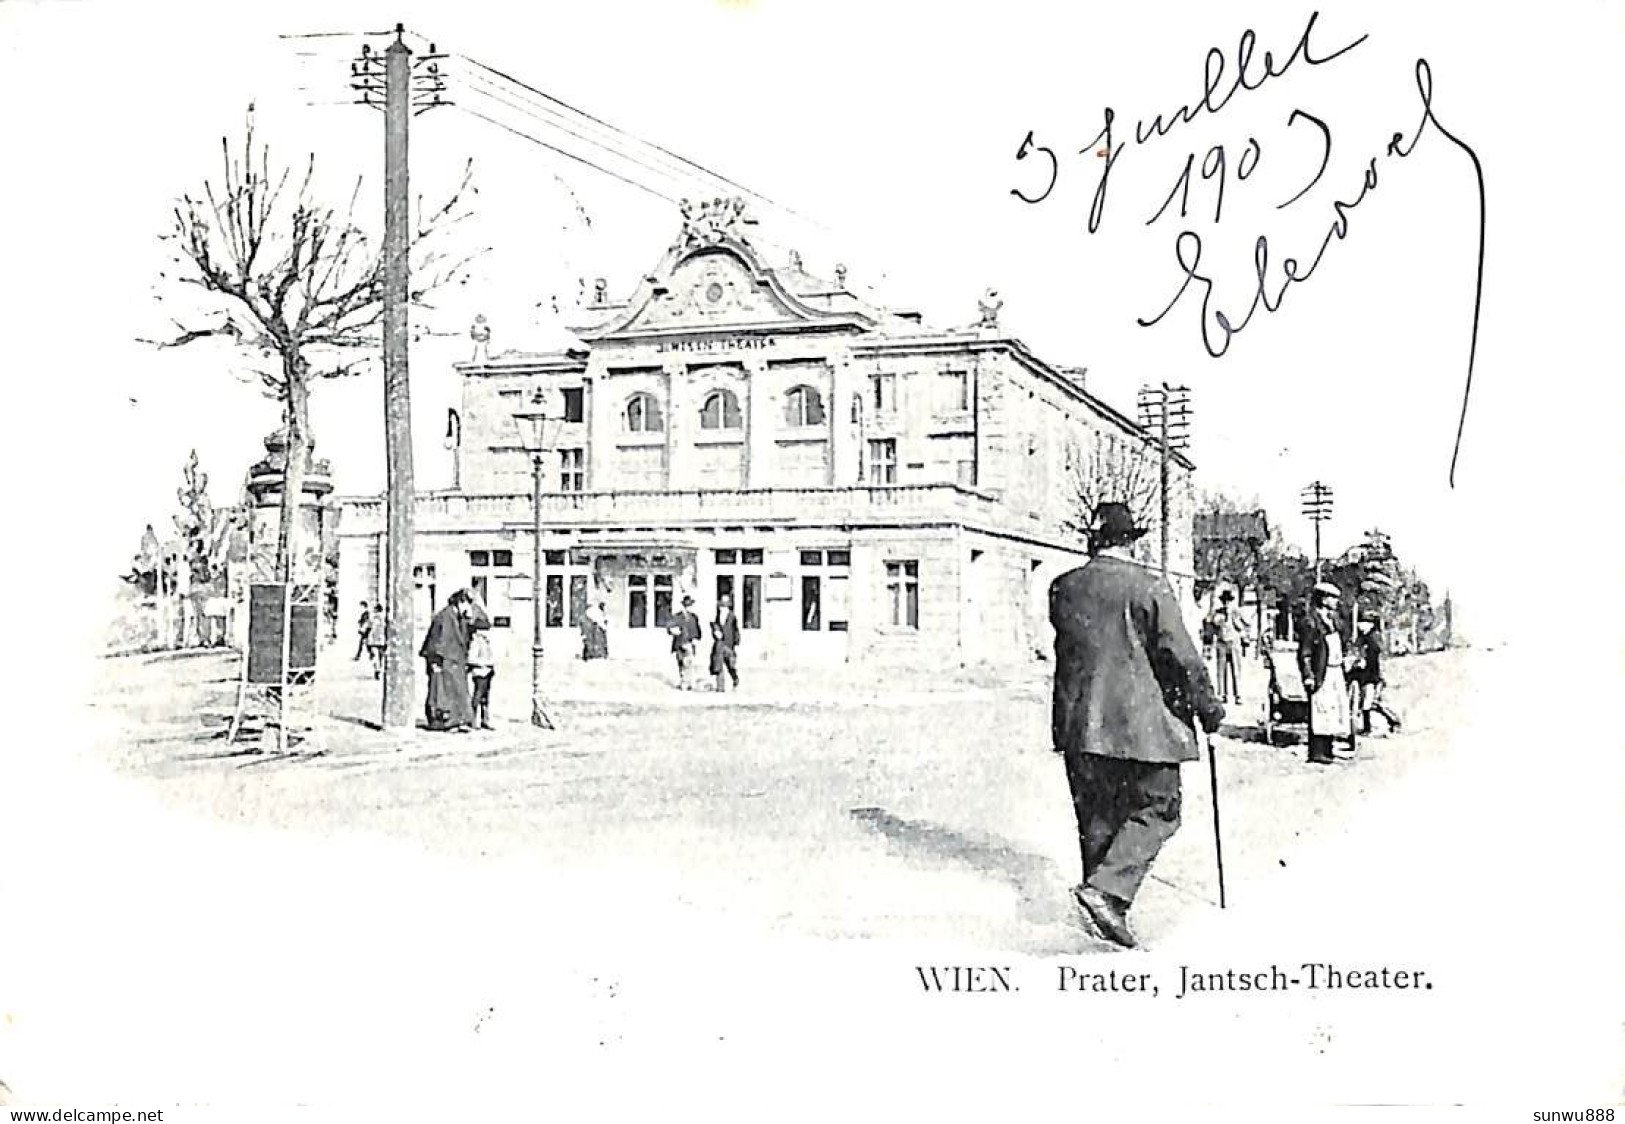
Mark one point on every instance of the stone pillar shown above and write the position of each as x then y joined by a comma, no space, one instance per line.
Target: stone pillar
761,423
603,428
845,381
680,424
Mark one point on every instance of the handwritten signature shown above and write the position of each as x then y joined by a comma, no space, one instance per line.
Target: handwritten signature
1217,328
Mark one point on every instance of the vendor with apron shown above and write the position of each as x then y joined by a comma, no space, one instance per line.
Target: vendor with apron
1320,659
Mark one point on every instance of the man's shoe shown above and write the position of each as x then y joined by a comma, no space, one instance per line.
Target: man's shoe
1106,915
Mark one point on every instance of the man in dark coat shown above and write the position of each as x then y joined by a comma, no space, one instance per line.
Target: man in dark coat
1128,681
685,642
725,644
445,657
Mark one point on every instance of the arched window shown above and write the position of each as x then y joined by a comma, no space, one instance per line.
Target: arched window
643,414
803,405
720,410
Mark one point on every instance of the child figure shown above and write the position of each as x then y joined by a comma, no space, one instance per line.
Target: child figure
481,670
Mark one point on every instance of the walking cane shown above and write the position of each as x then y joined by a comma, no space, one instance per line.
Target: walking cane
1213,776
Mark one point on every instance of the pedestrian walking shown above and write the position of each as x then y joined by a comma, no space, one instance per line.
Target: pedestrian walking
482,664
1226,628
362,626
1128,683
377,639
1322,663
445,659
685,642
1368,678
595,632
725,644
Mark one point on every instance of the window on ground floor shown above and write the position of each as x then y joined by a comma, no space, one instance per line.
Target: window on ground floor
490,572
648,600
903,593
824,591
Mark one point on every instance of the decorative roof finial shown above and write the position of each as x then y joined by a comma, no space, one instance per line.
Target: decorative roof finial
990,304
600,291
710,222
480,333
795,259
840,276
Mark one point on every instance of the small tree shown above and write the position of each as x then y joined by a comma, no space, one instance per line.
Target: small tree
293,280
1113,469
198,522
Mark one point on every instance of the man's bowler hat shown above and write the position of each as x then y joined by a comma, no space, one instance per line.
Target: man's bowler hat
1114,525
1327,589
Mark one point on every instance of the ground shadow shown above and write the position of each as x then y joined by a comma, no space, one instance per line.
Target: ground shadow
1284,736
1037,880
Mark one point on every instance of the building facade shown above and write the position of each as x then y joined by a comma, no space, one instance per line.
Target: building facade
861,486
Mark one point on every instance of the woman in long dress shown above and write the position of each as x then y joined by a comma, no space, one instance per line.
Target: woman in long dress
1320,659
445,658
595,633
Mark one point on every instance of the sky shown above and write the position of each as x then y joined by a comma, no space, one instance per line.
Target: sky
893,134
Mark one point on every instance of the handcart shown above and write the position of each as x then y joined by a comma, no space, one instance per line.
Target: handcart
1288,702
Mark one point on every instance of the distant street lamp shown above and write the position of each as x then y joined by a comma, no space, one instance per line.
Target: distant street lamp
537,434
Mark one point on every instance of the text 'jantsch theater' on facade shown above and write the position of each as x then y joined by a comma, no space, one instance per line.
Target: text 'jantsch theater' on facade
864,487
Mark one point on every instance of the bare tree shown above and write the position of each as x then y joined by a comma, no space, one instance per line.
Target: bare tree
294,280
1113,468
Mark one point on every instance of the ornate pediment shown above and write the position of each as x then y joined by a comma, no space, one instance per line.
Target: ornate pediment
712,279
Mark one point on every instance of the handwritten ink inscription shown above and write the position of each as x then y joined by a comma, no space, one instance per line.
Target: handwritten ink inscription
1223,168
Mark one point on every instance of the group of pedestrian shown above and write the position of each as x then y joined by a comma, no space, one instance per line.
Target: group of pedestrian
458,658
1341,685
371,637
685,644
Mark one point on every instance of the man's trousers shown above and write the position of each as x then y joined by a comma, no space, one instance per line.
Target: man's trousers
1126,811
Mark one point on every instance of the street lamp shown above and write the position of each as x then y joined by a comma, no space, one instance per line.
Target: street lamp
537,434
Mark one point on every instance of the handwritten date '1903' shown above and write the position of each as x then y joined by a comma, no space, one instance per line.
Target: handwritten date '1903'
1216,168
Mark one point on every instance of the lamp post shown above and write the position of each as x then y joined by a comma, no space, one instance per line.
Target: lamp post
537,433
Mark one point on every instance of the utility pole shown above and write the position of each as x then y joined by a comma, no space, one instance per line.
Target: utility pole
1165,411
1317,505
400,105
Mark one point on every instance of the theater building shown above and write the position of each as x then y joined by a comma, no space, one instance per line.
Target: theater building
864,488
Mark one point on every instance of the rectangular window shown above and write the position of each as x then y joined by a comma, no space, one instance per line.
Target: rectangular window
663,589
903,593
840,558
954,392
883,462
553,557
750,611
883,391
812,603
490,571
578,599
727,557
572,470
812,557
637,601
574,404
554,611
725,586
750,558
835,603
